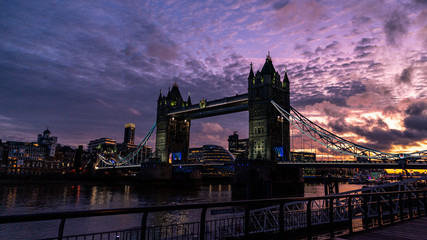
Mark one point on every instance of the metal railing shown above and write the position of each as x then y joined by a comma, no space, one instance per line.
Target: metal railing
339,215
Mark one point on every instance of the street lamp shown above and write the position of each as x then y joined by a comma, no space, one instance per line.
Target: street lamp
281,120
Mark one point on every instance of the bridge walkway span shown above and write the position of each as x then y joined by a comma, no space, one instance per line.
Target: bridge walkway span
354,164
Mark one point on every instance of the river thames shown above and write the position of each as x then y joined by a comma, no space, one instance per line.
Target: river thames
20,198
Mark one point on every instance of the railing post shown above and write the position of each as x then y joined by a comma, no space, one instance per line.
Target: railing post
350,216
281,219
379,209
203,224
410,206
391,208
331,218
61,229
418,204
425,203
401,206
247,218
309,219
144,225
365,213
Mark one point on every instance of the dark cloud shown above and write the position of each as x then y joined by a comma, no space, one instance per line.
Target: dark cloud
415,120
365,41
338,126
405,77
390,110
363,49
331,110
308,13
332,46
377,133
423,2
360,20
380,139
395,27
279,4
417,123
375,65
306,92
300,46
416,108
364,55
211,61
163,50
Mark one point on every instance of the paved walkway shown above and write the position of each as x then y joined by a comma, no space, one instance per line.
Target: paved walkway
413,229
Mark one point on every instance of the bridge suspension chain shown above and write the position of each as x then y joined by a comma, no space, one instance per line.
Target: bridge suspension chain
336,143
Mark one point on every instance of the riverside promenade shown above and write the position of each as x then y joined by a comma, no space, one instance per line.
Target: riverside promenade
409,230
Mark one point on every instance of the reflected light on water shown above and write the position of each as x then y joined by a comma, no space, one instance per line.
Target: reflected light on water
93,196
40,198
11,198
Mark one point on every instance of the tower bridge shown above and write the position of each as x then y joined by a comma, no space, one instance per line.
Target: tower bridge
174,116
266,134
269,168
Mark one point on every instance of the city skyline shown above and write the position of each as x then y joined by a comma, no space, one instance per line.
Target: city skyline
84,69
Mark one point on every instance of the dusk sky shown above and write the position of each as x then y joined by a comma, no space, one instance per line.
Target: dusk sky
85,68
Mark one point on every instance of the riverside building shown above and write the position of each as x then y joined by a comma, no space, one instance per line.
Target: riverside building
31,158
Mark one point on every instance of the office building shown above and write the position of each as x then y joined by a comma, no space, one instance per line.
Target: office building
101,144
238,147
129,137
48,141
210,154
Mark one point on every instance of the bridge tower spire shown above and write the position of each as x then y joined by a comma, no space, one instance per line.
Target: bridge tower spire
251,74
172,135
266,136
189,99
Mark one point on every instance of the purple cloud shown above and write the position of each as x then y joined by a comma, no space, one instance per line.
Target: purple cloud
71,66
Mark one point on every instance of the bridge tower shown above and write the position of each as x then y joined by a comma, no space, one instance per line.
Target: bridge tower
268,138
172,135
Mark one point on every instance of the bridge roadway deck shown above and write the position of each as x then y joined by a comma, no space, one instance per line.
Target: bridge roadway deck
318,164
412,229
351,164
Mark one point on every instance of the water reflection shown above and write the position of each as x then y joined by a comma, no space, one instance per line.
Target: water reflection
53,197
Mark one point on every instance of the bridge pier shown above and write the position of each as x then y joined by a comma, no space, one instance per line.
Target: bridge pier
331,186
256,179
155,171
164,174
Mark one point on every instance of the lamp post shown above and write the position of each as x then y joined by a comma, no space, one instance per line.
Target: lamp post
281,119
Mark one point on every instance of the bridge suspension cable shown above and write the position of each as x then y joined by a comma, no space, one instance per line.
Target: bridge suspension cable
336,143
131,155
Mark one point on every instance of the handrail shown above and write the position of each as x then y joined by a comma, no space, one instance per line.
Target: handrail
332,210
